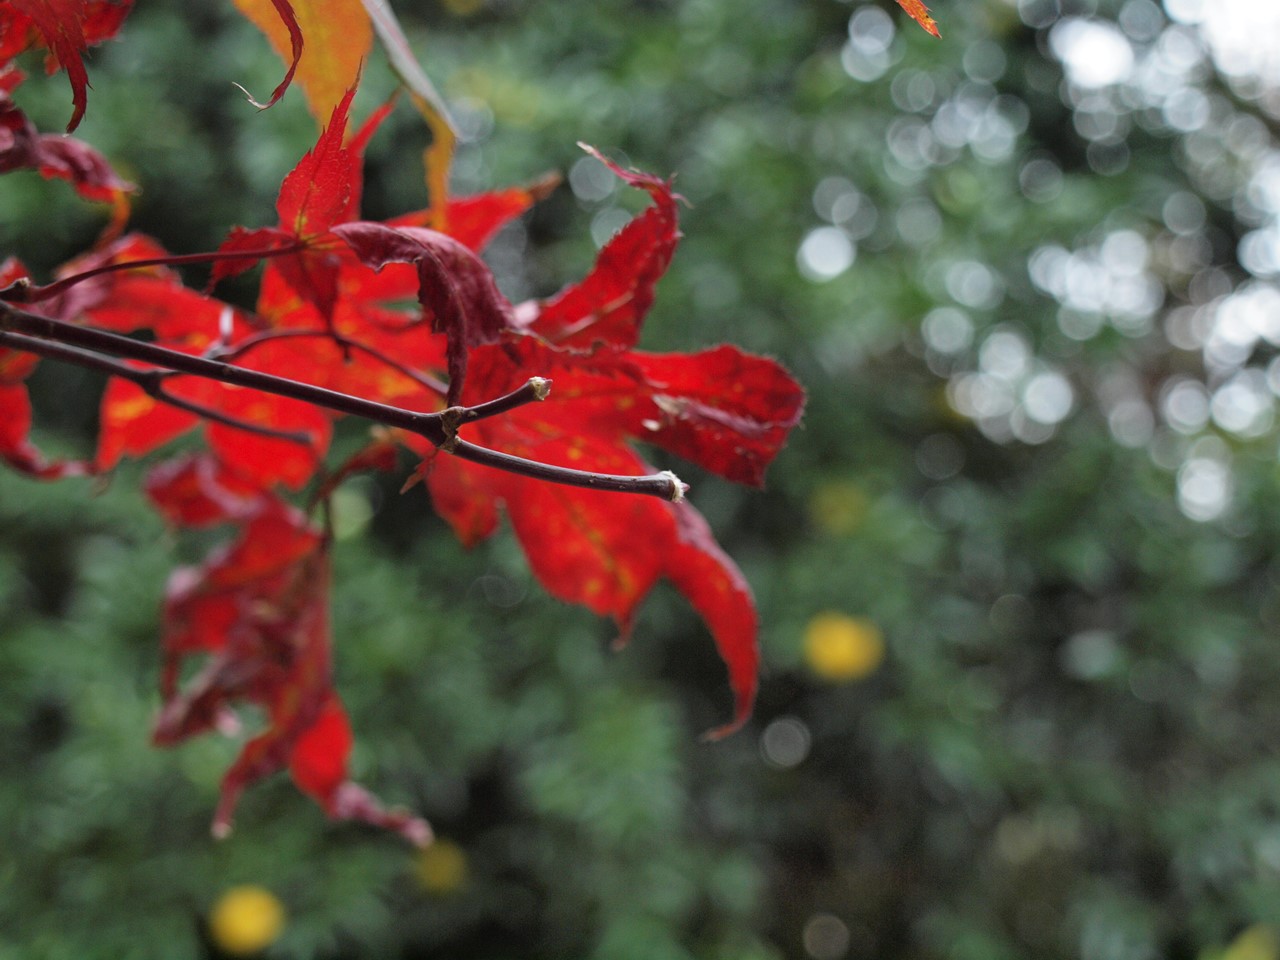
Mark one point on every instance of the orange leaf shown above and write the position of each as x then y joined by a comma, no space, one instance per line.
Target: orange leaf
336,39
918,12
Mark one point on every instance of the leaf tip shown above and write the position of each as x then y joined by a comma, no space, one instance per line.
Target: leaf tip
249,96
418,832
719,733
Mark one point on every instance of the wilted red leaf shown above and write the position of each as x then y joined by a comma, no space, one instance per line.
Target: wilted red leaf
455,287
22,147
67,28
257,610
918,12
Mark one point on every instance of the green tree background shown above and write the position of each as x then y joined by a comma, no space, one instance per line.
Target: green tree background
1028,275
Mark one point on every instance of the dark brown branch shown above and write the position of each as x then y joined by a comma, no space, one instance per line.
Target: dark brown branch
438,428
150,382
102,341
665,485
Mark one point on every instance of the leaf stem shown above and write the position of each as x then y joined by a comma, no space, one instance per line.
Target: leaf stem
26,292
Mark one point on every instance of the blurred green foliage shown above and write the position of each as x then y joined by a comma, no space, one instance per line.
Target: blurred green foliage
1027,273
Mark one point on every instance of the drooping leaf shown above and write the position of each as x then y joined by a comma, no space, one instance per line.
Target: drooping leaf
67,28
257,611
22,147
455,287
323,41
918,12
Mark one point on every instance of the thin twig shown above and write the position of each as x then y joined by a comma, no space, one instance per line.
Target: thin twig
26,292
665,485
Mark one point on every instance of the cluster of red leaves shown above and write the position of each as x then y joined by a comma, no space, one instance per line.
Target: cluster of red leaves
331,314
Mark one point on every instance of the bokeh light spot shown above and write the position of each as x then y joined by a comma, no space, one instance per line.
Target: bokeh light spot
246,919
839,647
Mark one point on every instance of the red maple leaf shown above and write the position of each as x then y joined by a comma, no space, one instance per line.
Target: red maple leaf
257,611
322,190
67,28
320,283
723,409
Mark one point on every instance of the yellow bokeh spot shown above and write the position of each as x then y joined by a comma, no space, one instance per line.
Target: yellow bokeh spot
840,647
1258,942
838,507
245,920
441,868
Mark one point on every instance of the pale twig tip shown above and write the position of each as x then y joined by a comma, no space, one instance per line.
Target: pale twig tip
678,487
